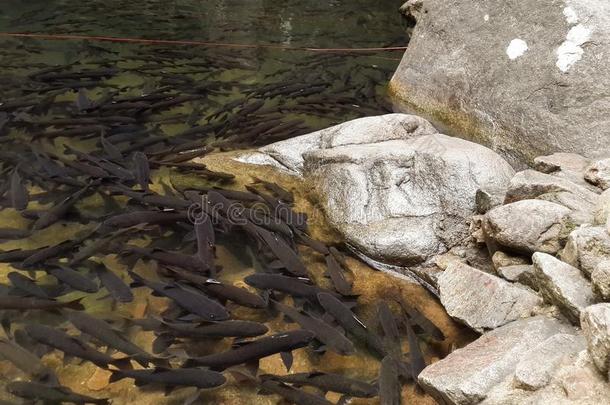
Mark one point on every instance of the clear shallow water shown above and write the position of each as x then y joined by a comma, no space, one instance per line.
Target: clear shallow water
223,97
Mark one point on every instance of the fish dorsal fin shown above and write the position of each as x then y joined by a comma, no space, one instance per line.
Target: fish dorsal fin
287,359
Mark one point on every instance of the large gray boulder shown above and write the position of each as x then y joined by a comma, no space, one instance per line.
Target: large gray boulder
397,191
529,226
466,375
481,300
524,78
561,284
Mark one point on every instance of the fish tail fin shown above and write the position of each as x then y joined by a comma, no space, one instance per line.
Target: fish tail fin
124,363
117,375
76,304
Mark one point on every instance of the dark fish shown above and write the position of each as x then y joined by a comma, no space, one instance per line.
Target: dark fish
328,382
26,361
232,328
206,240
113,283
73,278
283,252
111,151
420,320
50,394
254,350
352,325
314,244
418,363
337,277
176,259
142,170
389,383
325,333
58,211
192,301
390,329
282,194
82,101
13,233
290,285
16,255
103,332
238,295
23,303
185,377
49,252
70,345
27,285
19,194
144,217
292,394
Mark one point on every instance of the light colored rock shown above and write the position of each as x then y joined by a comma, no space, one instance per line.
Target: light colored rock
356,132
600,278
403,201
550,98
398,192
602,209
529,226
503,259
530,184
562,162
574,381
488,199
539,363
586,247
481,300
595,324
561,284
598,173
515,272
468,374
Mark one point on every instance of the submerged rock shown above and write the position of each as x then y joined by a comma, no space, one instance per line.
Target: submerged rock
561,284
468,374
528,226
397,191
501,77
595,324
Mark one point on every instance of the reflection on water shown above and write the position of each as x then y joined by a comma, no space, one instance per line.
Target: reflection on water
175,102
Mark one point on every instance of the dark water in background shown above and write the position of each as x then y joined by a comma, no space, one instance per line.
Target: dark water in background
226,97
309,90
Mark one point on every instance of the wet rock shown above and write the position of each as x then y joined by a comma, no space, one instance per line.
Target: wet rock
587,246
468,374
529,226
539,363
561,284
481,300
598,173
515,272
508,81
600,278
595,324
398,192
574,380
